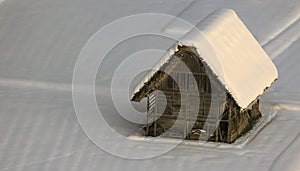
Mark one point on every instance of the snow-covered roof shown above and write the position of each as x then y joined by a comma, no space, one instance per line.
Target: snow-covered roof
232,53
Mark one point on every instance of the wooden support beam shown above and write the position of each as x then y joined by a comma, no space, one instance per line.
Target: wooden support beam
148,108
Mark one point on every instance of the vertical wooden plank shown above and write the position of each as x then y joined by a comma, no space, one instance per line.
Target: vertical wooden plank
217,133
148,108
155,121
186,118
229,124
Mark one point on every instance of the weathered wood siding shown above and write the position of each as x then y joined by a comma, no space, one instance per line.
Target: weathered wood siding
233,122
190,99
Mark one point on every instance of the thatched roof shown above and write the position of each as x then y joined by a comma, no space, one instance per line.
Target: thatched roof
231,52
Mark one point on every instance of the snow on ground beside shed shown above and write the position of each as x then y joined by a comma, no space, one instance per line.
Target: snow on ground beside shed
40,41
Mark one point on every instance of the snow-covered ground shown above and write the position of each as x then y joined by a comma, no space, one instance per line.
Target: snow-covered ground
40,42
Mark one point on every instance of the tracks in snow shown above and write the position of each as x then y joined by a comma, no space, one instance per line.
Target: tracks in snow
283,39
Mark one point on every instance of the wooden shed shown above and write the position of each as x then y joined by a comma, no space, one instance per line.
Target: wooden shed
225,96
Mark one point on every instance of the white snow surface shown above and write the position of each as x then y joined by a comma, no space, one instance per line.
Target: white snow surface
232,53
40,41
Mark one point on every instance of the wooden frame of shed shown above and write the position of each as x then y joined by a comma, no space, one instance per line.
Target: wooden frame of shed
222,56
226,121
